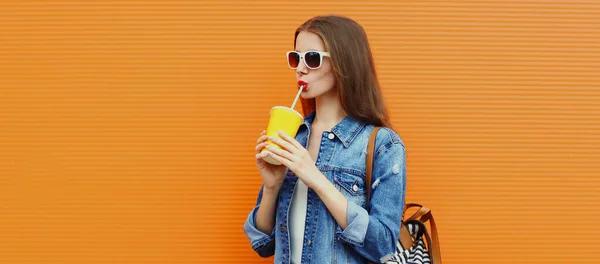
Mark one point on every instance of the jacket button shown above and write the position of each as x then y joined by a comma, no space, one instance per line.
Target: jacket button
283,227
331,136
309,242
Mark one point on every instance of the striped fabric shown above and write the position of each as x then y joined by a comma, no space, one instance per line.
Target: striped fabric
417,254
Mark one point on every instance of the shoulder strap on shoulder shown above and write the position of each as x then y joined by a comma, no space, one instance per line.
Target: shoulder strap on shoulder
370,156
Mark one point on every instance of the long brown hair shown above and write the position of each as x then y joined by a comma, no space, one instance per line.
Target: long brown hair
353,66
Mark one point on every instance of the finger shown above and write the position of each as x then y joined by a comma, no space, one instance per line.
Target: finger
261,155
261,139
282,160
284,144
264,132
260,146
281,153
289,139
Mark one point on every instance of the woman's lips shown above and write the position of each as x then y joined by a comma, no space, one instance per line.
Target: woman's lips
303,85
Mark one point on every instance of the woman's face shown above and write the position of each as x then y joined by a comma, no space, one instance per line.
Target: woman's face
321,80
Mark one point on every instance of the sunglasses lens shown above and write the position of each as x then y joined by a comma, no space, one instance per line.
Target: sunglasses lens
293,59
313,59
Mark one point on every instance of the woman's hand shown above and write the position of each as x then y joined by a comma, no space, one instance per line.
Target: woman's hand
272,175
295,157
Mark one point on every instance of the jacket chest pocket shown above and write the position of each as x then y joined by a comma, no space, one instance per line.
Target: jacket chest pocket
352,186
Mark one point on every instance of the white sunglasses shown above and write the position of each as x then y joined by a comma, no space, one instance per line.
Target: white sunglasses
312,59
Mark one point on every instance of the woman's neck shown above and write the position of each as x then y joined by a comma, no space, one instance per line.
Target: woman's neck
329,111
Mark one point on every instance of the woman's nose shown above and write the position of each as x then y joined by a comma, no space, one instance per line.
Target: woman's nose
301,69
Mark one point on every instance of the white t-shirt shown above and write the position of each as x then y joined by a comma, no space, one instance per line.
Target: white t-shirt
297,220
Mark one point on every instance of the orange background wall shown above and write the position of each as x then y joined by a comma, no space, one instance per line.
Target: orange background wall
127,128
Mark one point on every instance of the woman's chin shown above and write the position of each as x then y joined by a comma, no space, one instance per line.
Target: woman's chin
307,95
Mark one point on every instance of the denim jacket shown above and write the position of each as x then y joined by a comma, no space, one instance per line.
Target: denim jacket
370,235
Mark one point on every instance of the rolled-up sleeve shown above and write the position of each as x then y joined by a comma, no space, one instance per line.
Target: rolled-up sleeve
358,221
263,244
374,234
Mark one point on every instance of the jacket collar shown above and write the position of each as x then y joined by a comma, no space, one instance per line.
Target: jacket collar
346,130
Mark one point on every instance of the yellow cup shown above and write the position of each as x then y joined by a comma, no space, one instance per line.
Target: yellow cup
282,118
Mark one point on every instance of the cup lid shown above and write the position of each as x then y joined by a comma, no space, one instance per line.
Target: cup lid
287,108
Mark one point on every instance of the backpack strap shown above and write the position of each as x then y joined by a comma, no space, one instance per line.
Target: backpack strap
370,156
424,215
419,213
432,241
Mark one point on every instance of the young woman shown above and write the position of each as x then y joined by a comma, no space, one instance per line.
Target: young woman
311,209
